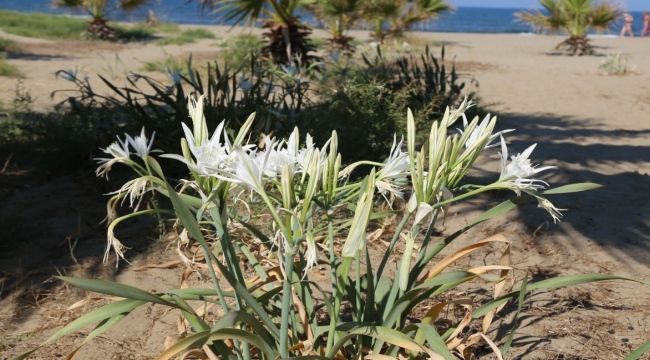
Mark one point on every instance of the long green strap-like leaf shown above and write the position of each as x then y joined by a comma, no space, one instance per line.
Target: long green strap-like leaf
378,332
201,338
435,341
636,354
192,226
572,188
104,313
549,284
115,289
515,320
435,249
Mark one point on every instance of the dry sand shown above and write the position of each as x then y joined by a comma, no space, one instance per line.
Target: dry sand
592,126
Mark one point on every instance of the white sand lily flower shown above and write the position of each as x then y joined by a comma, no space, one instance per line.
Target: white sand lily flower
311,253
275,156
545,204
518,174
481,130
392,177
116,245
140,144
195,110
248,169
118,152
452,114
135,189
210,157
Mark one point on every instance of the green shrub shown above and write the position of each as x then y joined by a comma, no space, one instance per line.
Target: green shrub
364,116
240,49
364,102
276,96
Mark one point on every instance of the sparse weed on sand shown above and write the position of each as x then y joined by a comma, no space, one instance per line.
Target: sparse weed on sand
9,70
187,36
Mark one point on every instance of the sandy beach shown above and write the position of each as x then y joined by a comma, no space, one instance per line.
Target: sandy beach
592,126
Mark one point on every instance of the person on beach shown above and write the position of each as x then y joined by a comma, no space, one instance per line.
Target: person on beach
646,24
627,25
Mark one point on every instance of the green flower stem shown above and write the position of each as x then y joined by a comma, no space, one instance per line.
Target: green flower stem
391,246
233,265
357,286
333,268
467,195
286,304
341,285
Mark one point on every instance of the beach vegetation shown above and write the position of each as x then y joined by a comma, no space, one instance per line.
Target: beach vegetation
162,27
187,36
240,49
44,26
362,100
614,64
8,46
575,18
286,232
339,17
286,36
394,17
98,27
169,65
61,27
9,70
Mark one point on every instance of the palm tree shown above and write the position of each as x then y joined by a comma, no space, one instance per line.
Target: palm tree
394,17
574,17
339,16
98,27
287,37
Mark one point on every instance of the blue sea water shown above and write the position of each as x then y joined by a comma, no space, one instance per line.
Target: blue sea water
463,19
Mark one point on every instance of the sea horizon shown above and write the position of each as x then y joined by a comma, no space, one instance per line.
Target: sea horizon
464,19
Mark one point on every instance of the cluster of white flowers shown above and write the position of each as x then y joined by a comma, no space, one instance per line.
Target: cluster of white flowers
247,165
252,166
121,150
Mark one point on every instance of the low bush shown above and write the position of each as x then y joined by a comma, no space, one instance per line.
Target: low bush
363,101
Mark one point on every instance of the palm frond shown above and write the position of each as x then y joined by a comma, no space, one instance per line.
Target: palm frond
68,3
131,4
540,20
603,16
433,7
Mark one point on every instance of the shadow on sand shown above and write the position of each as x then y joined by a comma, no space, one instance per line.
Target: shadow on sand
614,217
51,224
